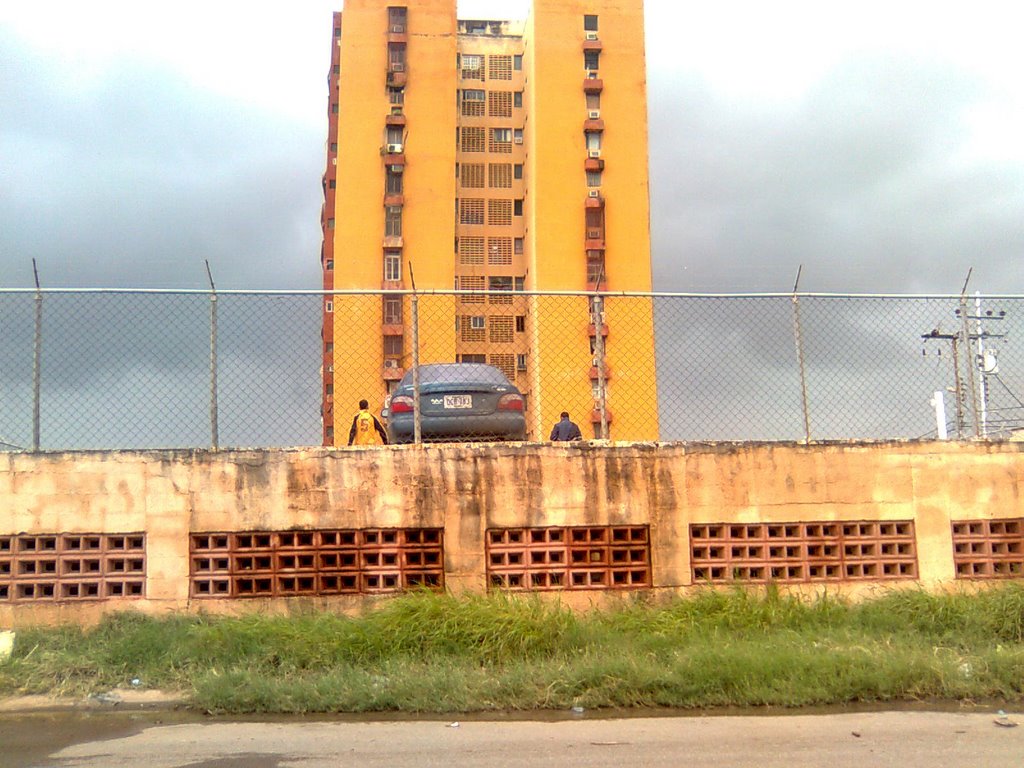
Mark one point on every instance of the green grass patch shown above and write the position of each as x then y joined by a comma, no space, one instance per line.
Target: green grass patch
425,652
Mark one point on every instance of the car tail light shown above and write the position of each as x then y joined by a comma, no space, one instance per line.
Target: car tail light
401,404
510,402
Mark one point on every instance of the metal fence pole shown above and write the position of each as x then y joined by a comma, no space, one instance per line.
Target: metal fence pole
214,416
37,352
417,431
602,395
798,338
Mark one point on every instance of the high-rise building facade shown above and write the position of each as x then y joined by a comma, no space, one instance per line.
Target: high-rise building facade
491,155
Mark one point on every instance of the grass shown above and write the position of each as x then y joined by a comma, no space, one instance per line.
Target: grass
436,653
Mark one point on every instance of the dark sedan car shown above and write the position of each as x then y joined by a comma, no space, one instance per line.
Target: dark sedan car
458,401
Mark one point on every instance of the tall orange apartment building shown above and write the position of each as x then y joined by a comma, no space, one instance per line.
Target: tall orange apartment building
498,155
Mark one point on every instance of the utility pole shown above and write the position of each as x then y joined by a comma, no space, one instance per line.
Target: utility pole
982,361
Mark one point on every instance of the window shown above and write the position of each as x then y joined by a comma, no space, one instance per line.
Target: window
394,134
393,265
337,31
520,362
396,57
502,283
328,389
521,324
517,171
501,330
392,311
593,178
472,67
471,250
334,108
330,223
393,183
476,322
499,250
590,23
472,358
330,264
328,306
332,184
396,95
393,221
519,245
517,208
593,101
396,19
520,284
593,141
517,135
517,62
473,102
393,346
517,100
591,59
501,140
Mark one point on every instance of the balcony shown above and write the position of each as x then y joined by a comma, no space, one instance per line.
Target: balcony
593,125
392,329
592,45
395,118
592,331
595,415
398,33
607,372
397,77
392,200
392,370
595,201
593,84
593,164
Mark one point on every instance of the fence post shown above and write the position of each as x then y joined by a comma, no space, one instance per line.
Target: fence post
37,352
602,400
214,417
417,434
798,337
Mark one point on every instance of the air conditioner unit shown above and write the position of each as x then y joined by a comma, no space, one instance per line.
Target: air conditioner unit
591,75
397,66
394,149
518,140
396,168
390,362
594,114
594,193
397,29
396,110
594,153
591,35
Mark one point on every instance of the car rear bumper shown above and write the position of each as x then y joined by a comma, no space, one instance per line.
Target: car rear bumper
504,426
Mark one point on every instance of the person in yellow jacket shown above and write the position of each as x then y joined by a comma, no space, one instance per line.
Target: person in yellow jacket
366,430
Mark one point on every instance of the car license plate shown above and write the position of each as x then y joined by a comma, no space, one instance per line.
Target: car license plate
458,401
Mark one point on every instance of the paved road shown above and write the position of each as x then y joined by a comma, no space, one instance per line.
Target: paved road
856,740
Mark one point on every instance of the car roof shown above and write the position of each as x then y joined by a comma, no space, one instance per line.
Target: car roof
439,373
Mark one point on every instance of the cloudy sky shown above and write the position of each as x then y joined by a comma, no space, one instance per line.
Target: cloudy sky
878,144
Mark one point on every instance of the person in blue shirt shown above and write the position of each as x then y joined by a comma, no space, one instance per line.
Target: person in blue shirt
565,430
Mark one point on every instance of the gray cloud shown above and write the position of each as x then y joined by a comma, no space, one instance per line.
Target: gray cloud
859,182
134,182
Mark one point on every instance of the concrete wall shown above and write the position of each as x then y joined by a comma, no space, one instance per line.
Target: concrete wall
466,490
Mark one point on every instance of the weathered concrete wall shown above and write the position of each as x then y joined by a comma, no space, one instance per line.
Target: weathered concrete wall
466,489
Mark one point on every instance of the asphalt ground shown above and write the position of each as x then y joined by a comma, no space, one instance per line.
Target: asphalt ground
103,736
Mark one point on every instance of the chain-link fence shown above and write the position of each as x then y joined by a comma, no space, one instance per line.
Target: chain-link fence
177,369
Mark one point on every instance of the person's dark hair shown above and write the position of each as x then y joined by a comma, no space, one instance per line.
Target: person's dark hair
565,414
364,404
